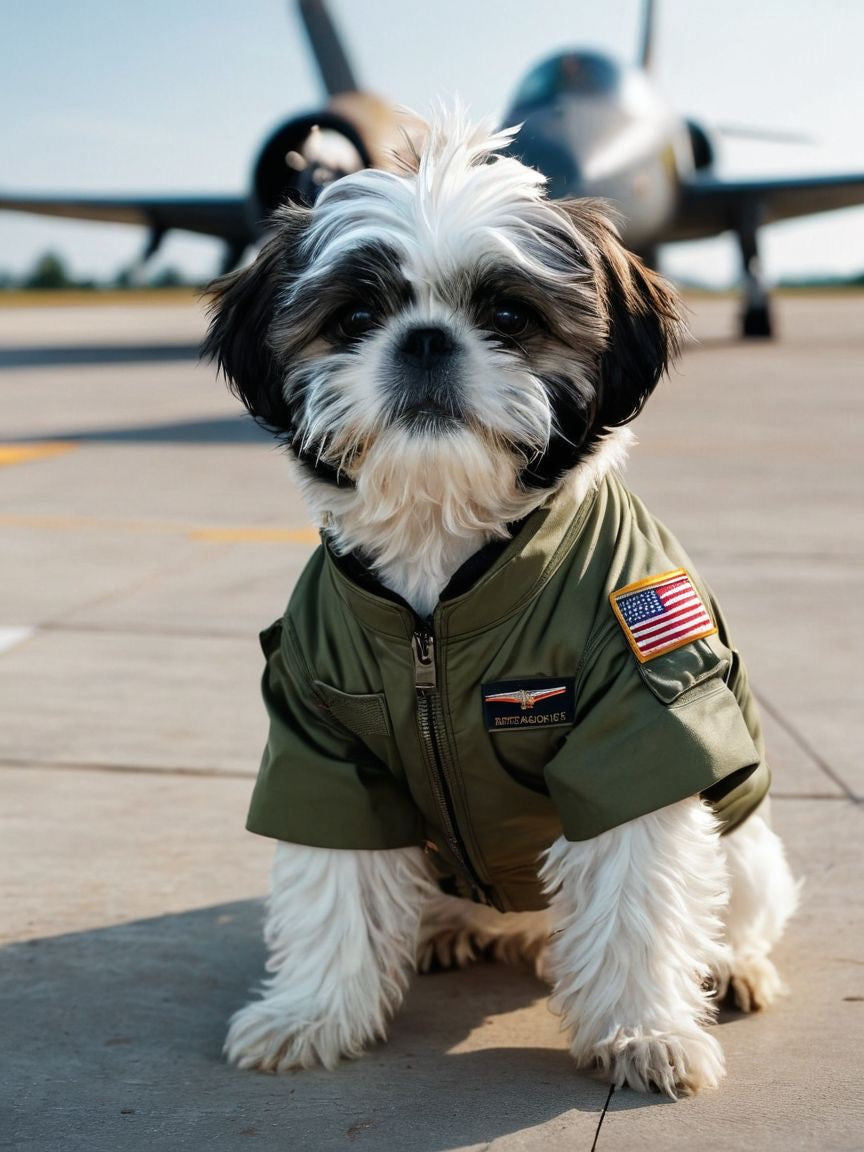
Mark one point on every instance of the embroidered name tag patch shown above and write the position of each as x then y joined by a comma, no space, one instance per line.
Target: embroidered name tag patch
661,613
509,705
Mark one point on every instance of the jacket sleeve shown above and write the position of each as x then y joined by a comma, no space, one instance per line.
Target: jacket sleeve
649,735
318,784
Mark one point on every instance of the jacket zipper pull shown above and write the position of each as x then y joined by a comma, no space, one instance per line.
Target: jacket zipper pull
423,647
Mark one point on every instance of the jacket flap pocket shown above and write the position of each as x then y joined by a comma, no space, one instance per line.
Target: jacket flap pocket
675,673
363,714
271,638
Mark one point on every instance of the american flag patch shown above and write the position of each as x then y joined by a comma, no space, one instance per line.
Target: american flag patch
661,613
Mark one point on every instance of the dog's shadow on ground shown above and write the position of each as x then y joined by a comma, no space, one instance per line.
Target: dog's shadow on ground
120,1030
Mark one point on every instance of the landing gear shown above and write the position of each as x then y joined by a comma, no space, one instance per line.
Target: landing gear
756,317
756,321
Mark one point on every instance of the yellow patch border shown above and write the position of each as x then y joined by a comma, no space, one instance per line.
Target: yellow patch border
648,583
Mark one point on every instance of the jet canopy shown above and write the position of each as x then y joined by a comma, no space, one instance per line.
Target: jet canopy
569,73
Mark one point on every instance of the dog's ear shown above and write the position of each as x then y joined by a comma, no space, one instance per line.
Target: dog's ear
241,309
643,314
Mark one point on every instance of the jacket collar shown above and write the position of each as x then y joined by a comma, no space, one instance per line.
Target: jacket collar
357,568
497,582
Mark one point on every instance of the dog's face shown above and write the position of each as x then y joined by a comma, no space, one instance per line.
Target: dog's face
448,314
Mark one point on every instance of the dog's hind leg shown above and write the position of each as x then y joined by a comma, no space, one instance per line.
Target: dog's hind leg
453,932
341,930
637,932
763,894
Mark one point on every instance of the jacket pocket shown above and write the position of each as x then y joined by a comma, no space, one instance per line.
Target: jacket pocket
675,673
364,714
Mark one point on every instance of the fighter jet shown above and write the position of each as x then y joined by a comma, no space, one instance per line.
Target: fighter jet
594,126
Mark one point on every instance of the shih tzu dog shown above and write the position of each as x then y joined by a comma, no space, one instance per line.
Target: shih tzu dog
505,712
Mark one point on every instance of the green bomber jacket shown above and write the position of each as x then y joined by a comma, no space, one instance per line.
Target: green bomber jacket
537,701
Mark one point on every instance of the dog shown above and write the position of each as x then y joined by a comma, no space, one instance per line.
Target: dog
451,359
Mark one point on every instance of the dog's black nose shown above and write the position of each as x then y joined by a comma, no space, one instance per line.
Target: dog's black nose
425,347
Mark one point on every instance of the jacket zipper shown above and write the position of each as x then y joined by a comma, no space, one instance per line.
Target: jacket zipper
428,713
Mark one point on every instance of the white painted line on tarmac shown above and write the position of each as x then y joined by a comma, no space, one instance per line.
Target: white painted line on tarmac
11,637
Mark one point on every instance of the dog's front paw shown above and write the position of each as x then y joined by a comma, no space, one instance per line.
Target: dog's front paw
675,1063
273,1036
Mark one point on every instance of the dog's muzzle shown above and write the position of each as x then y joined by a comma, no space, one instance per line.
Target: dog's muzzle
425,382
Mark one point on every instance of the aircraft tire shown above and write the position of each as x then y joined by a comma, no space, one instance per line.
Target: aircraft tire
756,322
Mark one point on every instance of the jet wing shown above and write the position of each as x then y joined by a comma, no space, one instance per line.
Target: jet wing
222,216
709,205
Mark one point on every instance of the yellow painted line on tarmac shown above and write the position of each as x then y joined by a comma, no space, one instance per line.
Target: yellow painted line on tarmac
89,299
24,453
196,532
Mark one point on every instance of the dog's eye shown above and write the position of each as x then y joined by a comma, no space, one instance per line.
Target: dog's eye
512,318
354,322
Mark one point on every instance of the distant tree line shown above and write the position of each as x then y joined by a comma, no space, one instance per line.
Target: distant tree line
50,274
854,281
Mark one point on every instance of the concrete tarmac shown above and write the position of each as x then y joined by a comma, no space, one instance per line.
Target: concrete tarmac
149,531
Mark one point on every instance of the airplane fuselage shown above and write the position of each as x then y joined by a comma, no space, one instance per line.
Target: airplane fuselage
598,129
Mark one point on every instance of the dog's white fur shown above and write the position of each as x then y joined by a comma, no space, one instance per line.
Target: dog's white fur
403,525
641,919
422,505
342,932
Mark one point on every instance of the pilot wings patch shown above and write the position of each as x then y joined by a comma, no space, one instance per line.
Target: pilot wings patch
661,613
528,703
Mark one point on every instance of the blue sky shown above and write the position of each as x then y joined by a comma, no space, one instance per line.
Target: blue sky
100,96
